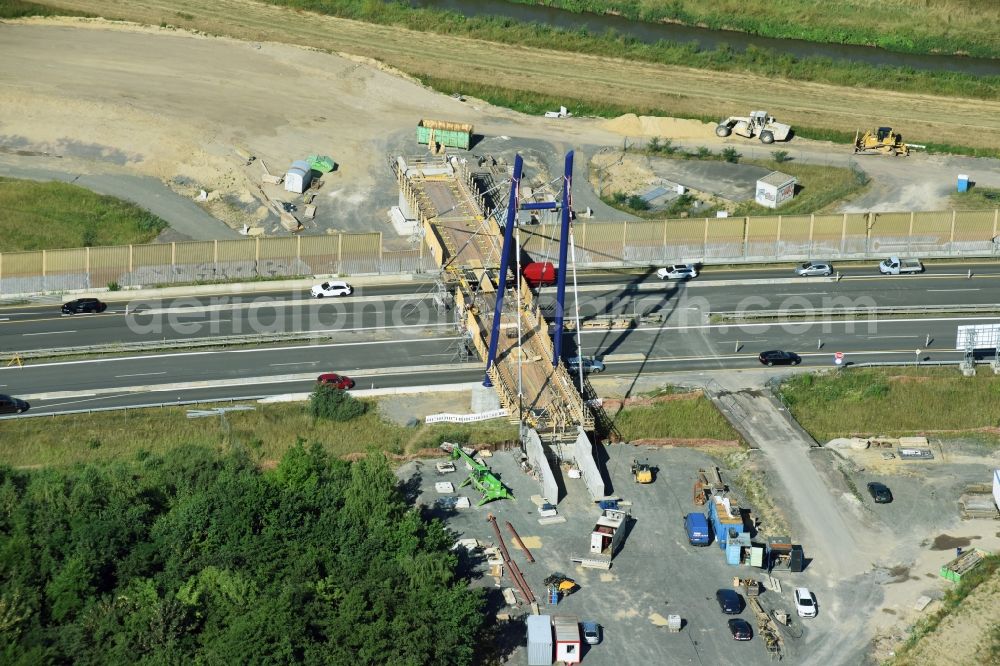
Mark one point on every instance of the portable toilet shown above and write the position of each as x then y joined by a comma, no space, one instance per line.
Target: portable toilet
298,177
963,182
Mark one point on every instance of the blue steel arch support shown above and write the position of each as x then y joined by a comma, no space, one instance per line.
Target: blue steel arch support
563,268
505,251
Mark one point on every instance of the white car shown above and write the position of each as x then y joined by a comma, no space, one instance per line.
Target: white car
332,288
805,602
677,272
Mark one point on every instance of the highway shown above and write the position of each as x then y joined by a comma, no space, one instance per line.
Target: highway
421,348
33,327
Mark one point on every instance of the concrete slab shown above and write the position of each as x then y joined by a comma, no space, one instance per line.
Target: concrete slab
735,182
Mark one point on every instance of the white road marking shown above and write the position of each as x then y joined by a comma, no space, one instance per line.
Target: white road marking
274,365
808,293
891,337
791,322
4,318
950,290
48,333
142,374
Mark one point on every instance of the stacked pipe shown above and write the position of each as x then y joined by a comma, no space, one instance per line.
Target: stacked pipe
512,570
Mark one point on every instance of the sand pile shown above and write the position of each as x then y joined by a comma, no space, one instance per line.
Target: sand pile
667,128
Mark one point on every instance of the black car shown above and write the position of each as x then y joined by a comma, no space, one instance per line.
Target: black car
778,357
879,492
730,601
9,405
740,629
84,305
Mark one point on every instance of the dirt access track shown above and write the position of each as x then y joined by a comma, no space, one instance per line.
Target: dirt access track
921,118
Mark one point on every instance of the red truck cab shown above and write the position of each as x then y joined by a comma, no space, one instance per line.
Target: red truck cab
539,273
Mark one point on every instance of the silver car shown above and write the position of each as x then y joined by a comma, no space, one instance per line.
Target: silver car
811,268
590,365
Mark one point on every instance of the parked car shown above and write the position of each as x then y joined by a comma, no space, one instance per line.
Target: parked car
84,305
740,629
332,288
805,602
730,601
678,272
335,380
880,492
811,268
590,365
591,632
9,405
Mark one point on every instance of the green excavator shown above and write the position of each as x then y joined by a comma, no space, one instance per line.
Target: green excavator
480,477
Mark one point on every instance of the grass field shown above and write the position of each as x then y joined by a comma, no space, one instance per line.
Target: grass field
756,60
915,26
684,419
893,401
978,198
820,188
269,431
42,216
20,8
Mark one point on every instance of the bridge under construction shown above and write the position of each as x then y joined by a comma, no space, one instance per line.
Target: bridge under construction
469,225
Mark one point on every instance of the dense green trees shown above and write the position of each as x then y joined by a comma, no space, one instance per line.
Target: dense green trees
199,558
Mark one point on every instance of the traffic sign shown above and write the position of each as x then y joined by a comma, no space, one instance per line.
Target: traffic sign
838,358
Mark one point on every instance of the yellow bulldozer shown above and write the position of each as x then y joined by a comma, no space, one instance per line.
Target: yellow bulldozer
882,140
642,472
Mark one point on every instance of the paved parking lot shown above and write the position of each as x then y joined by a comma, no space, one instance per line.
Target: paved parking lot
655,574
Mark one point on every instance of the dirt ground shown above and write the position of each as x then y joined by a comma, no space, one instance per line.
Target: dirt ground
180,104
677,89
925,503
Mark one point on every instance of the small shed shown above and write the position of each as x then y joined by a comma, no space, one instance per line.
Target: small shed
568,646
775,189
298,177
539,640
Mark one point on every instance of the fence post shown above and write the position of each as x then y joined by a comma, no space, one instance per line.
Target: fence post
704,243
996,216
340,252
298,250
951,243
86,264
624,234
381,256
812,224
843,235
215,257
746,236
869,223
256,250
173,260
131,258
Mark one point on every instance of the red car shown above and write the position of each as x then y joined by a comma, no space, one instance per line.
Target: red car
338,381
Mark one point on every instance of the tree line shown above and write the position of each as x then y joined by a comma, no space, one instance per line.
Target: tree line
196,557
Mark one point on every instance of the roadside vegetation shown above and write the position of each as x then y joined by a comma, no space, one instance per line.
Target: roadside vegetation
758,61
49,215
267,433
683,416
977,198
894,402
20,8
909,26
197,556
959,601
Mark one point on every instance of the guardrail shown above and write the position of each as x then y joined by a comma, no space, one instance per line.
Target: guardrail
153,405
180,343
874,312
